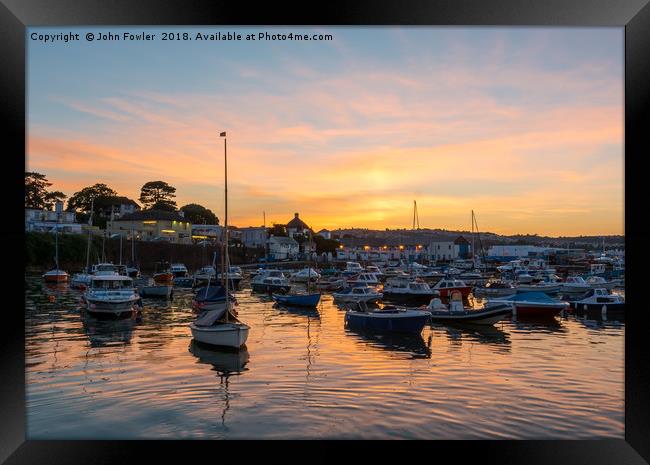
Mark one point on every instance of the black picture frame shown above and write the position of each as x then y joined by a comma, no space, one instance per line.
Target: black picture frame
633,15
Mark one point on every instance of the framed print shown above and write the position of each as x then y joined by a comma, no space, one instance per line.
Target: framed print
365,223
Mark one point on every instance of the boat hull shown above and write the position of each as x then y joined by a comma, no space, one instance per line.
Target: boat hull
599,307
390,323
110,307
60,277
369,299
477,317
446,292
308,300
414,299
536,310
221,335
163,292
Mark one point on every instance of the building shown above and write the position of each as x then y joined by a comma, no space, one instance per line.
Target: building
282,248
115,206
253,236
325,234
297,226
47,221
444,251
464,247
153,225
512,252
201,232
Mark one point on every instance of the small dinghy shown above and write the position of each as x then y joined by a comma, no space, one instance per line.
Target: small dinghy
298,300
534,304
457,313
391,319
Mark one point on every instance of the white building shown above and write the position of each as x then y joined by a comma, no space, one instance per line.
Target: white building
281,248
253,236
206,231
47,221
446,250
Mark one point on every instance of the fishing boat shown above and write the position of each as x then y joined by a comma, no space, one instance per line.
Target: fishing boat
162,273
55,275
271,281
307,274
178,270
408,290
533,304
363,278
298,300
233,275
220,326
389,318
446,286
147,287
598,300
575,284
111,294
456,312
357,294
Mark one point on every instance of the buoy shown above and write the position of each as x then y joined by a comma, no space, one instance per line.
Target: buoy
604,310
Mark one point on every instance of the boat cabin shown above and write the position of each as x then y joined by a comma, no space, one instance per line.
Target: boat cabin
109,282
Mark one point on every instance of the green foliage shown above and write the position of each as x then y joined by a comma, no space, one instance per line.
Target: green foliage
163,206
83,199
277,230
325,245
198,214
154,192
36,193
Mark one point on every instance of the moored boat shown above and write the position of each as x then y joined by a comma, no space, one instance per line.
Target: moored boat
390,319
299,300
446,286
598,300
456,312
534,304
408,290
110,294
357,294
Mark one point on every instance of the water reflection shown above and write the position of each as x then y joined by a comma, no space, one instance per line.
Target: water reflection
487,334
104,332
412,344
538,324
226,362
309,312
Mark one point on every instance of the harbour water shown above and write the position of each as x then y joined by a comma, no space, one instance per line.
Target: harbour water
303,374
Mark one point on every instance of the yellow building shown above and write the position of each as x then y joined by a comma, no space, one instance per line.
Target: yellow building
153,225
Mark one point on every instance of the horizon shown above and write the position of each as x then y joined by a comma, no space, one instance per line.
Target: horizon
522,125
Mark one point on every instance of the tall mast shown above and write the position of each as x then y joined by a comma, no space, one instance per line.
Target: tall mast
56,243
120,248
473,237
225,169
132,247
90,223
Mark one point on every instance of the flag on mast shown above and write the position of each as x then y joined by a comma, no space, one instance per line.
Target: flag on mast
223,134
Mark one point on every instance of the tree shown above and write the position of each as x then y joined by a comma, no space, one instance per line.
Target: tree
164,206
36,193
325,245
198,214
277,230
157,192
83,199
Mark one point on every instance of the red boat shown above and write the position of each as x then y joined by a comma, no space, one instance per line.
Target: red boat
447,286
55,276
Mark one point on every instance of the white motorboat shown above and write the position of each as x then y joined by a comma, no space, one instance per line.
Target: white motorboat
456,312
110,294
146,287
357,294
179,270
599,300
495,288
305,275
270,281
364,278
409,289
353,267
547,288
373,269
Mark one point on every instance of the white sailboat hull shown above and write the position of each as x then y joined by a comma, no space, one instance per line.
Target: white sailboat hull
224,335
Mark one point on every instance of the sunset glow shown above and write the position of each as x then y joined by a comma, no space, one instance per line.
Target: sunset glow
522,125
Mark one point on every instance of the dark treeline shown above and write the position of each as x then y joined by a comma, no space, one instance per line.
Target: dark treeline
40,251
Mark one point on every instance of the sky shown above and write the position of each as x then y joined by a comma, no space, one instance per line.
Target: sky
522,125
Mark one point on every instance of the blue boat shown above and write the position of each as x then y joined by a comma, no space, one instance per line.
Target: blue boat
389,319
299,300
598,300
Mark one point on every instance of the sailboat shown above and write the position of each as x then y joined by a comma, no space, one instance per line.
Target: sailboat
56,275
220,327
131,269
